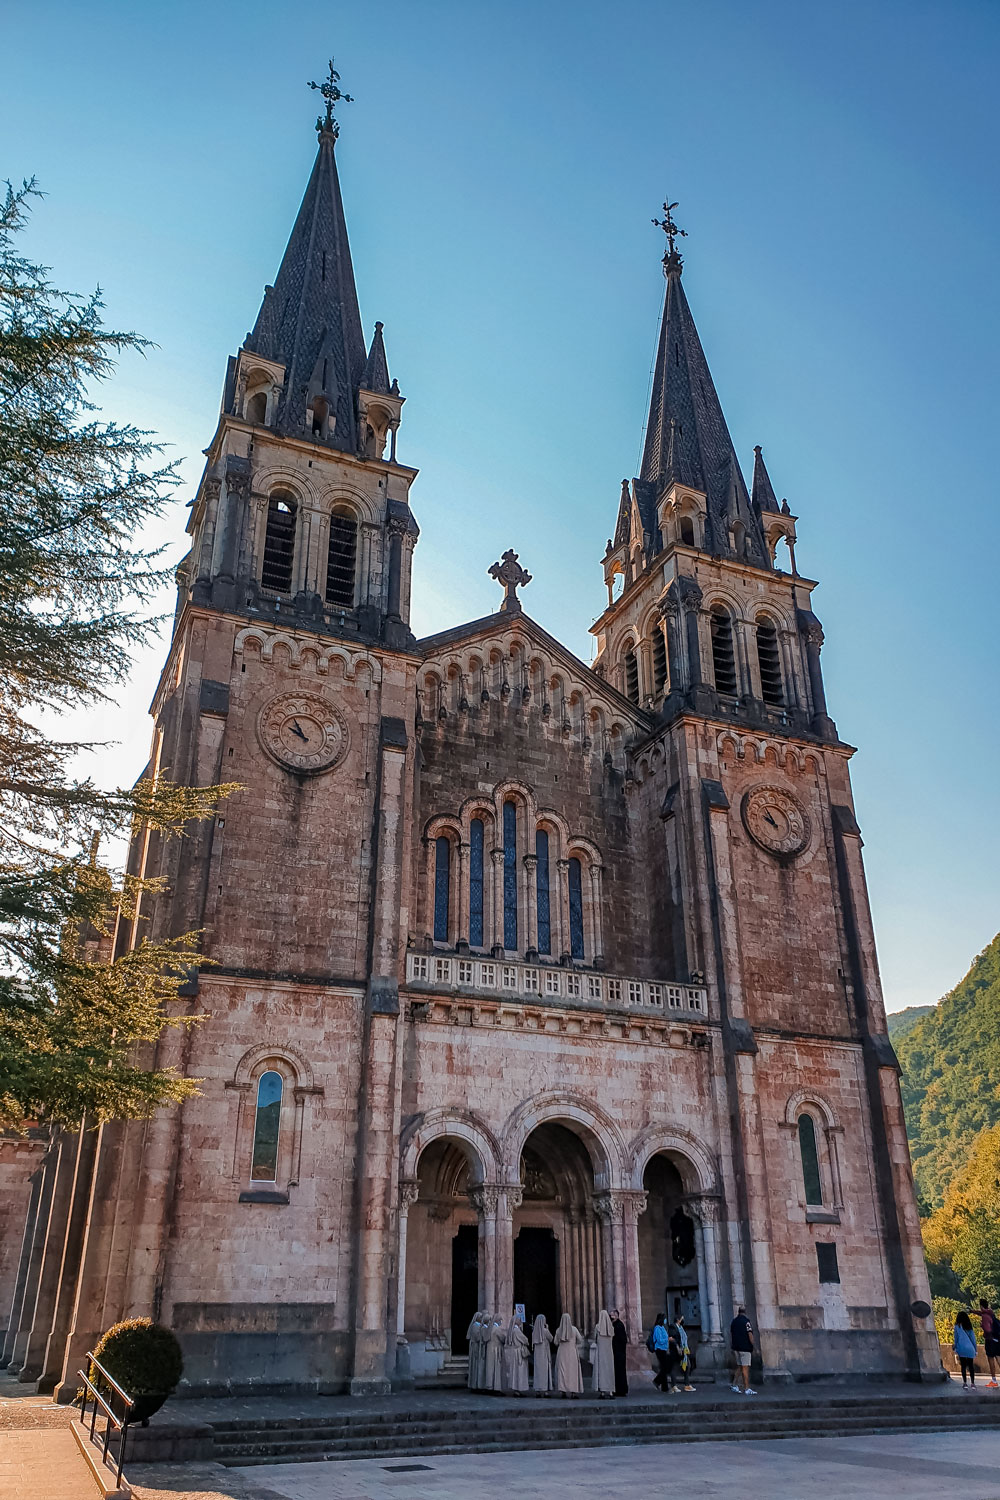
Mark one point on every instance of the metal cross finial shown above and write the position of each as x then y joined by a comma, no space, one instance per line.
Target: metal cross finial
672,259
510,573
333,94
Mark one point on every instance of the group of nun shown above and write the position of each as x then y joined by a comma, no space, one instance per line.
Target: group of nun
499,1356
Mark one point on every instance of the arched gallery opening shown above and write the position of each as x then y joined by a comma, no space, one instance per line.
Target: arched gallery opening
669,1258
442,1252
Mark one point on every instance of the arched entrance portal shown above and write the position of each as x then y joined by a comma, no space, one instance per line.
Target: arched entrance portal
668,1248
442,1286
558,1252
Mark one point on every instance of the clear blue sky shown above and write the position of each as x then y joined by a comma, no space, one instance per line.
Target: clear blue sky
836,171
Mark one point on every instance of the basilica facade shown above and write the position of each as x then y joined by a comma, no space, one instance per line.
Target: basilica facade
529,982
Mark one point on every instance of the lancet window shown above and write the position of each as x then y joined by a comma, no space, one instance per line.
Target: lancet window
279,544
542,891
510,877
810,1161
575,875
267,1121
659,661
442,885
723,658
769,661
476,839
631,676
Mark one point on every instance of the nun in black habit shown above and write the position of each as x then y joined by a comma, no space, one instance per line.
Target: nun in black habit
619,1346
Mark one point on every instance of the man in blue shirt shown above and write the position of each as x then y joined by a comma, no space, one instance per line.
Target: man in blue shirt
741,1342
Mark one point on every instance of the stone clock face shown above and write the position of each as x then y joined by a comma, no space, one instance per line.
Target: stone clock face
303,732
775,821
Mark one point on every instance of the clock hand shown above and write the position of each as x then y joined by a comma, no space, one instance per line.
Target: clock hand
770,819
297,729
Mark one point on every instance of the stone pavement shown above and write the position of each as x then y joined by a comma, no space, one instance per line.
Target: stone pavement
924,1466
43,1464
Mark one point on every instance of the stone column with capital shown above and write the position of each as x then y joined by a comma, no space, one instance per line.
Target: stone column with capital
530,864
485,1200
497,857
509,1199
463,894
705,1209
610,1209
409,1192
562,904
597,914
811,632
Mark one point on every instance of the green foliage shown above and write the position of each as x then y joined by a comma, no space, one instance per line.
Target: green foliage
902,1021
951,1076
946,1310
141,1356
74,587
963,1235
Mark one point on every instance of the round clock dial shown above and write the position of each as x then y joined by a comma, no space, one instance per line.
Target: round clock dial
303,732
775,821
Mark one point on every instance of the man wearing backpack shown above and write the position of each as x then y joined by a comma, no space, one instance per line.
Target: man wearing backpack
741,1343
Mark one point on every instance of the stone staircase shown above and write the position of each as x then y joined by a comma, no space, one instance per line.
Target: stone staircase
452,1374
540,1423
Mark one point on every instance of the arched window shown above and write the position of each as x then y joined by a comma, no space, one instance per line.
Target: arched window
321,413
687,531
769,661
510,877
810,1160
575,908
631,676
723,660
279,544
659,660
442,883
341,560
257,408
264,1161
476,831
542,890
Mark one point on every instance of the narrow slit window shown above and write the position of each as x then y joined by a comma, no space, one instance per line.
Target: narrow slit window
687,531
442,882
264,1163
631,676
769,661
257,408
826,1262
542,891
476,832
723,659
810,1161
279,545
510,877
341,561
659,661
575,908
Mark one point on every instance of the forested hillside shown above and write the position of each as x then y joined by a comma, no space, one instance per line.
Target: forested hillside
951,1075
902,1021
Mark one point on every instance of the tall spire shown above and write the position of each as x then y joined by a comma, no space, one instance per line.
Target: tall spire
762,494
687,440
309,320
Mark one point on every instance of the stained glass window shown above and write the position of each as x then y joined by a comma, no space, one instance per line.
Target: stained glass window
575,908
442,872
264,1166
542,891
810,1160
476,883
510,877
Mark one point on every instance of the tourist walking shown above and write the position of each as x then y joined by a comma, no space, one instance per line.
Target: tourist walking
619,1351
964,1343
991,1338
515,1358
541,1348
568,1374
659,1343
604,1360
741,1343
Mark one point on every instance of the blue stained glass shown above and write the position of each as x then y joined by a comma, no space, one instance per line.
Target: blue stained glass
510,877
264,1162
542,890
575,909
476,883
442,871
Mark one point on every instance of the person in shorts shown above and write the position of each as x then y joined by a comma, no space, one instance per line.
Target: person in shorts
741,1343
991,1338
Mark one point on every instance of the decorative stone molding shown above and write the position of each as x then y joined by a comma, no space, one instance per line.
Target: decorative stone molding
485,1199
300,648
409,1192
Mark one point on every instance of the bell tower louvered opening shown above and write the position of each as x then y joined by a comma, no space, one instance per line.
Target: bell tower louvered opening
341,560
279,544
723,658
769,662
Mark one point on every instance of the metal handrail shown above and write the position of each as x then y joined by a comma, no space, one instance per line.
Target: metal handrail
119,1423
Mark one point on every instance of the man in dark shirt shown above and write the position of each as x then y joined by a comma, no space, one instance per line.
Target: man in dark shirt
741,1342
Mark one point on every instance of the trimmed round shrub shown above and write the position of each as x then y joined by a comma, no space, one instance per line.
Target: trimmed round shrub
141,1356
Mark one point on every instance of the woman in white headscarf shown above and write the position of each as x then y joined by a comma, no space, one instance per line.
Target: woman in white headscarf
494,1354
604,1363
569,1376
515,1358
487,1354
475,1352
541,1344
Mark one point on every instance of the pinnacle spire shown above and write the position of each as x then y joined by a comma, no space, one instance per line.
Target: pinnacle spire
309,320
376,372
762,494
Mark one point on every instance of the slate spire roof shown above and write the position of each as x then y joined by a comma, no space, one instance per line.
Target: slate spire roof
687,440
375,376
309,320
762,494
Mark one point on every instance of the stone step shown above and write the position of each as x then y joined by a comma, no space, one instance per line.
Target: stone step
744,1423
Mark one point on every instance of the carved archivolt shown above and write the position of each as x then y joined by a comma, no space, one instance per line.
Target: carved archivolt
283,1052
461,1126
301,648
677,1141
592,1124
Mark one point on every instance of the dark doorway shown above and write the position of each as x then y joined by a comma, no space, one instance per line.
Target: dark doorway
536,1274
464,1284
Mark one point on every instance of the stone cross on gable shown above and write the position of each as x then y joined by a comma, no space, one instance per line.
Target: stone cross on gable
509,572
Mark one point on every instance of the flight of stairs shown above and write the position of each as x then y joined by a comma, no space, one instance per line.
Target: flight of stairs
453,1373
399,1432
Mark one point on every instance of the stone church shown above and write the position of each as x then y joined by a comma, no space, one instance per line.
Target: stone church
531,981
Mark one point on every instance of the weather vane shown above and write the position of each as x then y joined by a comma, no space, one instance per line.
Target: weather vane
672,259
333,94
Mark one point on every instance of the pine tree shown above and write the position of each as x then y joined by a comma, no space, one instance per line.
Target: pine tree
75,593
